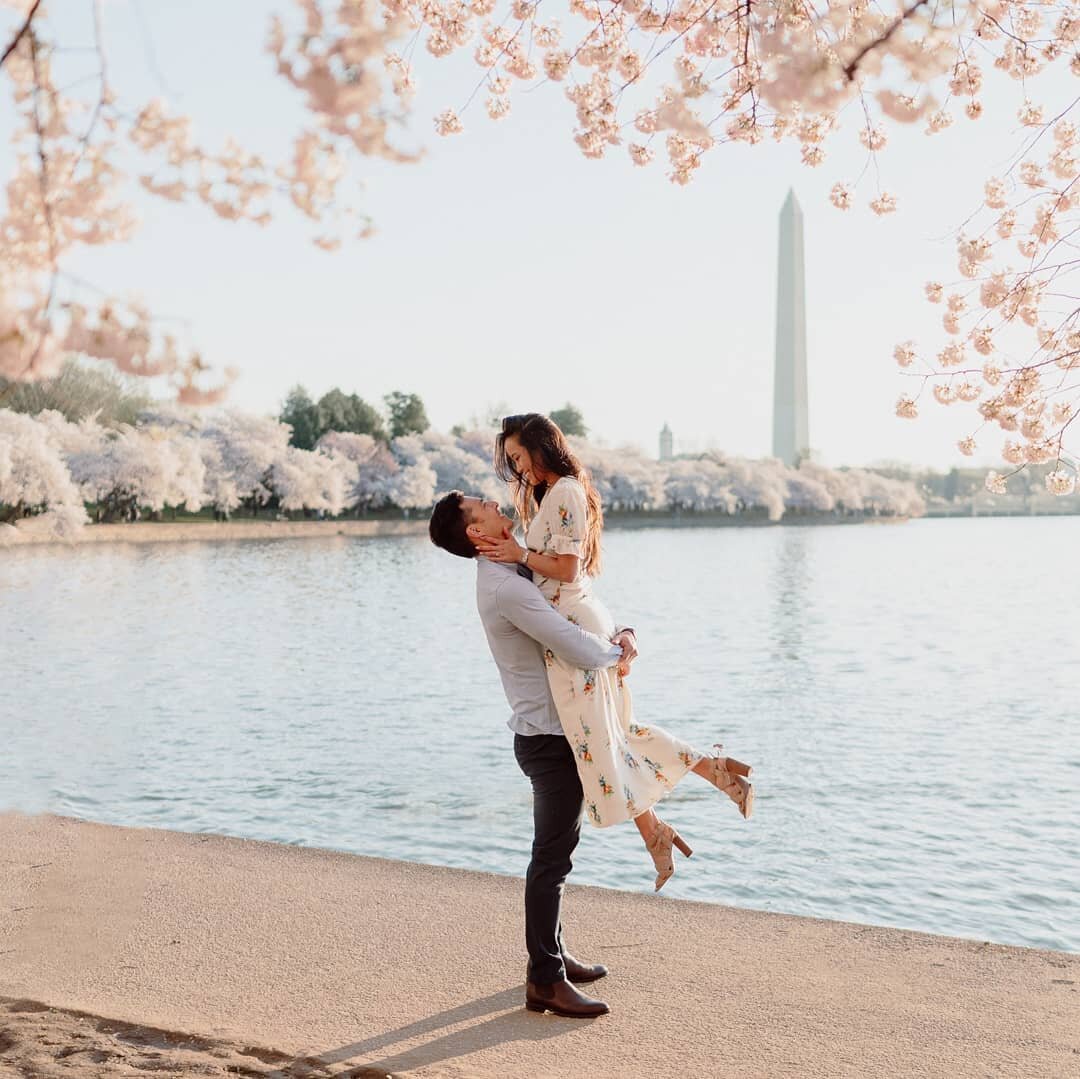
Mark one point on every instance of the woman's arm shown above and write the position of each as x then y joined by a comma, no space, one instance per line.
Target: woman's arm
557,567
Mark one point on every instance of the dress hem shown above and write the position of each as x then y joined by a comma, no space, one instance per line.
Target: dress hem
622,820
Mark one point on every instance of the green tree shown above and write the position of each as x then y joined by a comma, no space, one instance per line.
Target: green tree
80,390
570,421
302,415
407,414
338,411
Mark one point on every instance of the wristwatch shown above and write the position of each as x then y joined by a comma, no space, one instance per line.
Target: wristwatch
524,559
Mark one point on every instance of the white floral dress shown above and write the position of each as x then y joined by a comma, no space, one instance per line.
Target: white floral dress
625,767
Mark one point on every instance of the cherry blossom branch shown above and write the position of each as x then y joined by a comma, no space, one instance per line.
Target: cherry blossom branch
50,224
851,68
149,51
990,18
735,11
43,160
20,33
103,77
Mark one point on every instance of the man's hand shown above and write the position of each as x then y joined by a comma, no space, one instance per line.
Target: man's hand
506,549
628,643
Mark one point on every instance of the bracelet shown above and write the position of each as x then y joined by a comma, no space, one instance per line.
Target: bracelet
524,559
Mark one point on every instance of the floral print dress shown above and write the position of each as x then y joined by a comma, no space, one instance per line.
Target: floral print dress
625,767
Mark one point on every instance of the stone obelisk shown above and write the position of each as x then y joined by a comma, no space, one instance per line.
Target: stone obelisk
791,435
667,444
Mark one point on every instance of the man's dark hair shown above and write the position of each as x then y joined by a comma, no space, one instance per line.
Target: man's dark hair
448,523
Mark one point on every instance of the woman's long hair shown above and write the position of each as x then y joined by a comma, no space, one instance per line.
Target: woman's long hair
549,450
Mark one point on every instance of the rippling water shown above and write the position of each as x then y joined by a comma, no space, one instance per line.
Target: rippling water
909,696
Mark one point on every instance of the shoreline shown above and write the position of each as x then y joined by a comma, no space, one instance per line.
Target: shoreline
29,533
213,531
183,954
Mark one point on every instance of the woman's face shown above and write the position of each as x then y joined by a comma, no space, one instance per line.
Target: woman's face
520,458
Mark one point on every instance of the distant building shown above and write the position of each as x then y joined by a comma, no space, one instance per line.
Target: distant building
791,436
667,444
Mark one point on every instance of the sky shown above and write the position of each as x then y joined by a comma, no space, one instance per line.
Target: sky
509,270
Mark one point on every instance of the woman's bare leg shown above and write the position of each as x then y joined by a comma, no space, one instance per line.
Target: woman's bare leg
646,824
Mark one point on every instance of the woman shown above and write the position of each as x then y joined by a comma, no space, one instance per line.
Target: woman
625,768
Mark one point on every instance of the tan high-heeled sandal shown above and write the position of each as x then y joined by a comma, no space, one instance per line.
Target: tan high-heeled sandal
659,847
728,775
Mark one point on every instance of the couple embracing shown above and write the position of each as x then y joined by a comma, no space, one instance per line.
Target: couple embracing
564,662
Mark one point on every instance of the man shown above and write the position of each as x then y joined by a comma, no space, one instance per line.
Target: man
519,624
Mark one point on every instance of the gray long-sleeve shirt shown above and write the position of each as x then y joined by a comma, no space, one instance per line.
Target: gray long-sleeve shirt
520,624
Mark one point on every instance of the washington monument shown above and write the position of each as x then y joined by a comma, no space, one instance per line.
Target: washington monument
791,436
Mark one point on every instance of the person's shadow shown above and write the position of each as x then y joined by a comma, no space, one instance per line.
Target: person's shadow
517,1024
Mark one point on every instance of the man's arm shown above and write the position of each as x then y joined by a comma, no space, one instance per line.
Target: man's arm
523,604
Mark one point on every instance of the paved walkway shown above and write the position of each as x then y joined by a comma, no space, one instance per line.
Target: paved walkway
285,952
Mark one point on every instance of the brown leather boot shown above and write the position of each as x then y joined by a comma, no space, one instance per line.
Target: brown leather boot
562,999
580,973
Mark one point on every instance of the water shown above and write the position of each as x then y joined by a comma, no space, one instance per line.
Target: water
908,694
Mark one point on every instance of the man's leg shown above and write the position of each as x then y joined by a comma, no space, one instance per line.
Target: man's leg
548,761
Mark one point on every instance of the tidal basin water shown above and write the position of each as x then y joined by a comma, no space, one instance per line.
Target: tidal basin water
909,695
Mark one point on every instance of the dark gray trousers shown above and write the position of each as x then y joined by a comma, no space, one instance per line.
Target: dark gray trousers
558,801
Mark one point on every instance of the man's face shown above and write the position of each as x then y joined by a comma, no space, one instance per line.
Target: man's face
484,517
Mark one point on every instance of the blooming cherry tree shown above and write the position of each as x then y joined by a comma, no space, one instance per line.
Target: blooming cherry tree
457,464
125,469
624,479
697,485
1012,331
368,468
303,480
413,487
136,469
671,82
225,460
807,494
34,478
240,453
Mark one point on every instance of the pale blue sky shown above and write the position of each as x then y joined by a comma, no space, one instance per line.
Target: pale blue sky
509,268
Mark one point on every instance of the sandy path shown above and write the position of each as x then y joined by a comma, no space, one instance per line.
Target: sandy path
203,955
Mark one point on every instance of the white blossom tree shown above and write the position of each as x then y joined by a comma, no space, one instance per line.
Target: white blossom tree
480,441
413,487
136,469
457,465
843,488
34,478
624,479
758,484
239,453
805,494
888,497
698,485
308,480
227,460
129,468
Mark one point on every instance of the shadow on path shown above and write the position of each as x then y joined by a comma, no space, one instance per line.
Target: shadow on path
515,1024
